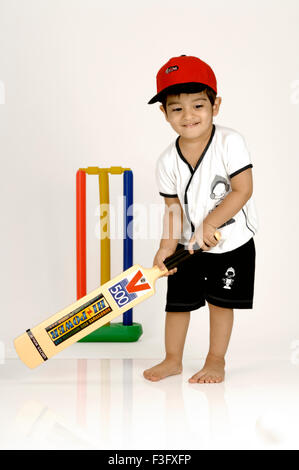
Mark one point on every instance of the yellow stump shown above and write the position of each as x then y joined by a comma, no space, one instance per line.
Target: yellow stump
104,227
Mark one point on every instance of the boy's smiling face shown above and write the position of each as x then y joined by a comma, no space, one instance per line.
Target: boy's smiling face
191,114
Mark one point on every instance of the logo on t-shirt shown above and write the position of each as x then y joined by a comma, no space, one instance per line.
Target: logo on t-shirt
219,189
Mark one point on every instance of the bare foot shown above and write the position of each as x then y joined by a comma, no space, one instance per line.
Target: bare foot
162,370
212,372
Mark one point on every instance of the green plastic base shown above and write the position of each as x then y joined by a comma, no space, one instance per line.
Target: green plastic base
114,332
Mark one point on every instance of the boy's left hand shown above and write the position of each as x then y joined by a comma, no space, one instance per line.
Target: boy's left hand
204,236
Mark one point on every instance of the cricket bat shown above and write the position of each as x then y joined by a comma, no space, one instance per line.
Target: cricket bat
136,284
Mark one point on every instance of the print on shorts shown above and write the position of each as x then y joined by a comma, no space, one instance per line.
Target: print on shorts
228,280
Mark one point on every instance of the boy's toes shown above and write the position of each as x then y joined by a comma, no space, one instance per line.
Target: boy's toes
202,379
213,379
193,379
196,378
150,376
209,379
154,378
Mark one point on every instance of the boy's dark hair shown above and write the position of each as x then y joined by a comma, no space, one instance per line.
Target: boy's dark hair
188,88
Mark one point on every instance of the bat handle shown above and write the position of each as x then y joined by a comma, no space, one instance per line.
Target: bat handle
183,254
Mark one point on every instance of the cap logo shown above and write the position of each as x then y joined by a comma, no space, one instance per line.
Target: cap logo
172,69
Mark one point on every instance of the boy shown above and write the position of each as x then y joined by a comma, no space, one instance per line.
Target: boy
205,178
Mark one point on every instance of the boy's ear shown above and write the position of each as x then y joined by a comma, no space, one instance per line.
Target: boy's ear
163,111
216,105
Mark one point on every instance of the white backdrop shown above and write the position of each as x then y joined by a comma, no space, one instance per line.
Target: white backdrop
75,78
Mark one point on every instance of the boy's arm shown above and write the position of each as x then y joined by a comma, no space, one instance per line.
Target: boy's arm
172,229
242,188
172,223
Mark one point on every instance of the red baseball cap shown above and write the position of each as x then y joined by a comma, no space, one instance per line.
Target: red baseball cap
183,69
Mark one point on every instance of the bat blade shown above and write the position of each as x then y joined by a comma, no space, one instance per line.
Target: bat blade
87,314
94,310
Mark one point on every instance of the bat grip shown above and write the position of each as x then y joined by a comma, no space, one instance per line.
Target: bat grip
179,256
183,254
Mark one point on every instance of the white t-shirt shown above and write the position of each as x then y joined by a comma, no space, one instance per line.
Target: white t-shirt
202,188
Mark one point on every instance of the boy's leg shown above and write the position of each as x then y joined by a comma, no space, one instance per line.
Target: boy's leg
221,323
176,327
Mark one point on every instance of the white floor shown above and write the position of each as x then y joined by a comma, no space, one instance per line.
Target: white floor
106,404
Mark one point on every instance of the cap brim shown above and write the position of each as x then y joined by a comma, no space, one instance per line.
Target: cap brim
155,99
159,96
188,87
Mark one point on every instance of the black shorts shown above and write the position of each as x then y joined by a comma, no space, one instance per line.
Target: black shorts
222,279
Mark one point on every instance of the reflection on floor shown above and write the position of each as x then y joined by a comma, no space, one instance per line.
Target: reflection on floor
107,404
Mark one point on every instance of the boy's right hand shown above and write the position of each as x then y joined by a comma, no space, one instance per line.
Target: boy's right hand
161,255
